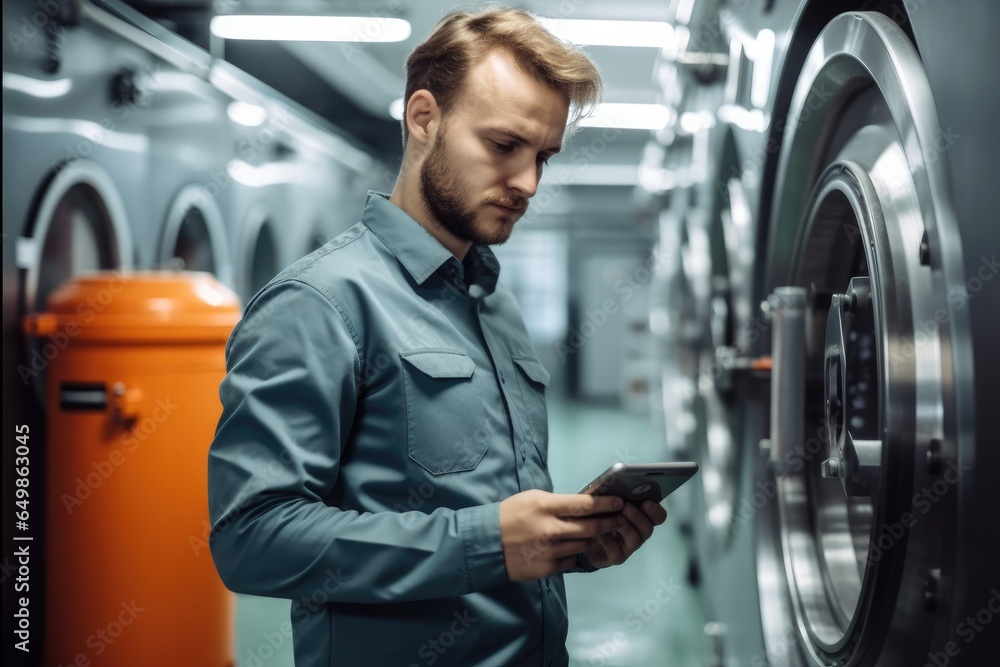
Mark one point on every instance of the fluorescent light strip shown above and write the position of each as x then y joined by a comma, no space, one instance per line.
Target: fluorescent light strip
655,34
629,116
593,174
243,113
311,28
36,87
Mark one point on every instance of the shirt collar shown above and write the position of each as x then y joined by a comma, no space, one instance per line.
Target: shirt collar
420,253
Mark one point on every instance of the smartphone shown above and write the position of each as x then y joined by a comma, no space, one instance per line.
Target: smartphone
641,481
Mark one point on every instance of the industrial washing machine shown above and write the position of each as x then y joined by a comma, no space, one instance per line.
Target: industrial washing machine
857,144
126,147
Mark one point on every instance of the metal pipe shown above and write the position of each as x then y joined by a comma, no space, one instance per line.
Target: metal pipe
787,307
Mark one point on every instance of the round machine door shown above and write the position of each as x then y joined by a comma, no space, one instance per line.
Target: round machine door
79,225
864,255
259,253
670,299
194,235
725,370
684,335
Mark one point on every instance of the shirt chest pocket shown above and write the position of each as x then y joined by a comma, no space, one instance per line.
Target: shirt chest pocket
532,379
444,410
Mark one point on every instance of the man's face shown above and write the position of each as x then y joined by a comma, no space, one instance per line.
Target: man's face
500,133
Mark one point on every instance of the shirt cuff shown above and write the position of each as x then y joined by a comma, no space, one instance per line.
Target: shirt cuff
480,530
583,564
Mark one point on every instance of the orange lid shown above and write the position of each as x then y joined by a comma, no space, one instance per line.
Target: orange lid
140,306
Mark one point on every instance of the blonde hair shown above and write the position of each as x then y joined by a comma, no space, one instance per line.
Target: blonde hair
462,39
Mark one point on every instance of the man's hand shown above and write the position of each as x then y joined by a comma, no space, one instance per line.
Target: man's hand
541,533
614,548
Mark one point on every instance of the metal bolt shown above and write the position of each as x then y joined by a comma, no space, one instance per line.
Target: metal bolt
830,469
848,302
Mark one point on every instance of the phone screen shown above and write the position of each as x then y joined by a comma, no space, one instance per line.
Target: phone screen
638,482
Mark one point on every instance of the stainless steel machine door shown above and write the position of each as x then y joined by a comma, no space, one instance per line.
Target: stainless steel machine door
866,331
194,235
79,225
259,256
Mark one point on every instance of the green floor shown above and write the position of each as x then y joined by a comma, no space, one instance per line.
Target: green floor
642,614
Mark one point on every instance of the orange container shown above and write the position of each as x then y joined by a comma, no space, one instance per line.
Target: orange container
134,365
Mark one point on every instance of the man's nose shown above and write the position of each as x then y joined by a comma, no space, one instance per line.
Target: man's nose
524,178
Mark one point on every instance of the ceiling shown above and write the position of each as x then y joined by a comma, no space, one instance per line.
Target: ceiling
353,84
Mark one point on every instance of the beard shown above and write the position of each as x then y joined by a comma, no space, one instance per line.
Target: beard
444,194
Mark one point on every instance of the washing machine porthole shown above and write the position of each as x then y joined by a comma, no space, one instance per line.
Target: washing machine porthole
260,252
79,225
849,215
194,236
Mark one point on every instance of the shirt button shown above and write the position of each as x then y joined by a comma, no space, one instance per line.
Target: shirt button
502,379
547,584
524,454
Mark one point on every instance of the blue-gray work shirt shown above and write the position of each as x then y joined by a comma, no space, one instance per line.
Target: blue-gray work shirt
375,413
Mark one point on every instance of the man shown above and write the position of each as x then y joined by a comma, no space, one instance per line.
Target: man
381,457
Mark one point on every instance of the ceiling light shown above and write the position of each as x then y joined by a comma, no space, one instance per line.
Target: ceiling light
629,116
311,28
656,34
250,115
36,87
592,174
274,173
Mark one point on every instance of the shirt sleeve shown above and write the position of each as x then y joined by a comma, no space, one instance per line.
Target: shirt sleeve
289,401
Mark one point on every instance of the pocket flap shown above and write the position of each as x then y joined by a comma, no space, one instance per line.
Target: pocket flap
533,369
440,364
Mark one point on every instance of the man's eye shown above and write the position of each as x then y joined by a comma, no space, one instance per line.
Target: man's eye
503,148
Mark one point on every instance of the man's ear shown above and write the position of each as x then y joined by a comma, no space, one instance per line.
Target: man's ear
423,116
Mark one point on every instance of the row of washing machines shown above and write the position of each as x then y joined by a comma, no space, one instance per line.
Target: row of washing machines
826,328
127,148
